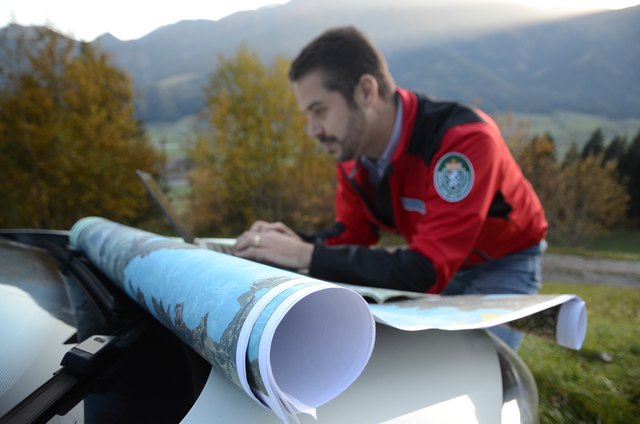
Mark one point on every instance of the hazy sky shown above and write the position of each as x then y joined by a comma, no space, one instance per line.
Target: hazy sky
132,19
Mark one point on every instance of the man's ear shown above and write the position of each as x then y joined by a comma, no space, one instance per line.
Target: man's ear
368,89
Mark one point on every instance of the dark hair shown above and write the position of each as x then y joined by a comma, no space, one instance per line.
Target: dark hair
343,55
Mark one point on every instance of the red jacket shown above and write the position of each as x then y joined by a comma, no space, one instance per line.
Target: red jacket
453,190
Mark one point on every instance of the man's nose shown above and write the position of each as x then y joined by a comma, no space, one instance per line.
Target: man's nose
314,129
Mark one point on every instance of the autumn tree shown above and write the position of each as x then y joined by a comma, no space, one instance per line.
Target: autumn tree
582,197
593,201
254,160
69,141
539,164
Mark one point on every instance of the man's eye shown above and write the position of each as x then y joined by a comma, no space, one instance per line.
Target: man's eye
320,112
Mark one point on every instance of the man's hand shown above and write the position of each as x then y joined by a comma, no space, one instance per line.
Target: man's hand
275,243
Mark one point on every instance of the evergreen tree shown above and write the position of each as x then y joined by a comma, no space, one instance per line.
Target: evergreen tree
572,156
630,168
615,150
595,144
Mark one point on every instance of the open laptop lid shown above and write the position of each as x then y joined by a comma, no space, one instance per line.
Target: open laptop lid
160,199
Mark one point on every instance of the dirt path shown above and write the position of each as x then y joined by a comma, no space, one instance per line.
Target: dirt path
578,269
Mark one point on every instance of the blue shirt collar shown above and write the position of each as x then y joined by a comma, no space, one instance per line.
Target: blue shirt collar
378,167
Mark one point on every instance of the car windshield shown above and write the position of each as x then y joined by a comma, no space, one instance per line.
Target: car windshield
50,300
36,321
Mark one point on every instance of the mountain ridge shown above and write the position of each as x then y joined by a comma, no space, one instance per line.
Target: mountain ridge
503,58
587,64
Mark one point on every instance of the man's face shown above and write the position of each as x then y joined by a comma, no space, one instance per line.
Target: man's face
339,127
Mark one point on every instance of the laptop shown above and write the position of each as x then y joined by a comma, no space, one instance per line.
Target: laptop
162,201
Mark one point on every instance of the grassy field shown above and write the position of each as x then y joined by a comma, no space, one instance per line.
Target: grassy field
619,241
172,137
600,383
565,127
621,244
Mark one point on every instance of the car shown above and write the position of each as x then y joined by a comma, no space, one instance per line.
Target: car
75,348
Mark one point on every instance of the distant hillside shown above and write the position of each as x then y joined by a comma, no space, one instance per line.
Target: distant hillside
588,64
170,65
504,57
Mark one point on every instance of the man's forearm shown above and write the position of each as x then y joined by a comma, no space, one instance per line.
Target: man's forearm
402,269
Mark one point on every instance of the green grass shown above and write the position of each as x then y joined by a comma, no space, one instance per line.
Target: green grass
566,127
172,137
600,383
616,245
620,241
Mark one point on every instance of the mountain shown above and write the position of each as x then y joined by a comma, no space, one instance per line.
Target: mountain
503,56
588,64
171,65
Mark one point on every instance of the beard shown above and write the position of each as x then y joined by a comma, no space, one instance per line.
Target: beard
350,146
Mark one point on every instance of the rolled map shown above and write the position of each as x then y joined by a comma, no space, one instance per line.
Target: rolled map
292,343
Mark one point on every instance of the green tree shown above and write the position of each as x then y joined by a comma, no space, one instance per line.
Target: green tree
615,150
629,166
254,160
69,141
595,144
572,156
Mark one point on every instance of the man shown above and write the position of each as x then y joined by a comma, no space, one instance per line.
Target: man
438,173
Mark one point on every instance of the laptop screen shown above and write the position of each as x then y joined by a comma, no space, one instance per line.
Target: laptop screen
160,199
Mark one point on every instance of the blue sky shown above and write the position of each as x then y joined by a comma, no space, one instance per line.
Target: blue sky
132,19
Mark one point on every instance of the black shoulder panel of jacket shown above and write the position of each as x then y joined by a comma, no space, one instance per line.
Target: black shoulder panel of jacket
433,120
403,269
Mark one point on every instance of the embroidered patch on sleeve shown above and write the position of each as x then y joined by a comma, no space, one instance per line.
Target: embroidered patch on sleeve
453,177
413,205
